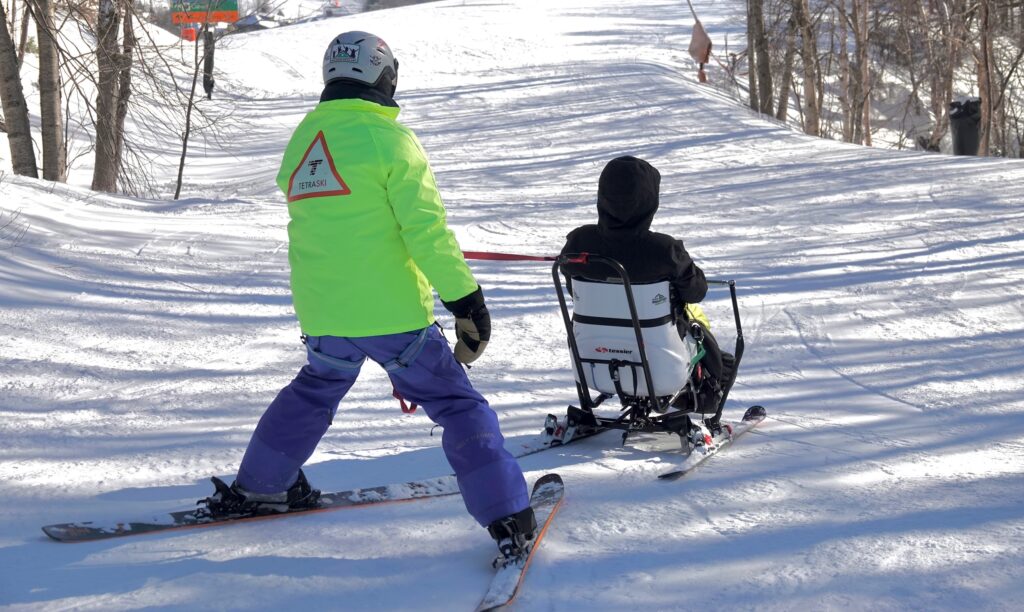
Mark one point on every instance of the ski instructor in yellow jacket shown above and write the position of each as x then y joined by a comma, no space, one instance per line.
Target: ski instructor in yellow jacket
367,241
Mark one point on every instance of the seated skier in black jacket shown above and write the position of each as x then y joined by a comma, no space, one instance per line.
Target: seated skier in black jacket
627,198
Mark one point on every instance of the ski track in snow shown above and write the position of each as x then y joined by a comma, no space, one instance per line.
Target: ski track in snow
142,339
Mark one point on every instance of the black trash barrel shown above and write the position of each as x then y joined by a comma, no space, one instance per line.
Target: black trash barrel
965,122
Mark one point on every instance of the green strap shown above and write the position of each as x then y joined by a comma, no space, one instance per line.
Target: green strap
700,354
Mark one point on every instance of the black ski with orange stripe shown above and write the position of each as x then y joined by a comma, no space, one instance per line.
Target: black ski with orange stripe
199,517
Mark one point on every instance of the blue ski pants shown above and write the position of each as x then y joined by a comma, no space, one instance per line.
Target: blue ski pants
424,371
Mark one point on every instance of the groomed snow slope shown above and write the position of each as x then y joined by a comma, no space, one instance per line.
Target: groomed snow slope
880,291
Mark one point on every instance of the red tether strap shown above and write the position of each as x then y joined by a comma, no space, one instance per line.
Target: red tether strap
580,259
409,408
406,408
504,256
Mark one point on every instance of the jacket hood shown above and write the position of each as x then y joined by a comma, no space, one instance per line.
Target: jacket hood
627,195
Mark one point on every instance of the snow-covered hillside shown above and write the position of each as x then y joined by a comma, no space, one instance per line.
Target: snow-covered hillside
141,340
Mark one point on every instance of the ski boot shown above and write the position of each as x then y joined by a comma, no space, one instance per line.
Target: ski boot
714,425
717,428
234,500
512,533
577,423
555,428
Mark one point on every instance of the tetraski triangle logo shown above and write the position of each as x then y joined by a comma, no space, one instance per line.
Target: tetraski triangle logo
316,176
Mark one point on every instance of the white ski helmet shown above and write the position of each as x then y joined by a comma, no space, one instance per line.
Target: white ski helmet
363,58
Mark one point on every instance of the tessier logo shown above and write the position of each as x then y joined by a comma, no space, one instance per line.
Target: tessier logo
604,349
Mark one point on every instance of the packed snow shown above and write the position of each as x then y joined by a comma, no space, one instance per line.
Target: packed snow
880,293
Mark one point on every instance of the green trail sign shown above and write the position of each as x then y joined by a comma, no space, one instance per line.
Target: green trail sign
204,11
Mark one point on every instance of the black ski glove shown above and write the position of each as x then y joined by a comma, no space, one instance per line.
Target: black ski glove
472,325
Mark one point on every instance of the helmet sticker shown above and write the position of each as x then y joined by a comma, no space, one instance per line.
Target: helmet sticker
345,53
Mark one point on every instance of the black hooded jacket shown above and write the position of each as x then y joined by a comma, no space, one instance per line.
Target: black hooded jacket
627,198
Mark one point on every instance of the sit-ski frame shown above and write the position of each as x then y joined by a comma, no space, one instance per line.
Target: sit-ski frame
636,411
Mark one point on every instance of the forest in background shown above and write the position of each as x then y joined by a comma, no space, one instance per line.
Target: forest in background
870,72
849,69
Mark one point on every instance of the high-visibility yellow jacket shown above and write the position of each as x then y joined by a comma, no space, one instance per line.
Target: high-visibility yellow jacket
368,236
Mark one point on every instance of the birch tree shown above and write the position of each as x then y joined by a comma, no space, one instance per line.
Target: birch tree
983,60
808,57
12,98
752,58
108,59
50,95
787,69
762,64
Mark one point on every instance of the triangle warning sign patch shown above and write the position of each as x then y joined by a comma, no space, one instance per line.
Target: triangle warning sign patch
316,176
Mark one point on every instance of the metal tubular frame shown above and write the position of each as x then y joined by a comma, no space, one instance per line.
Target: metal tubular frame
636,416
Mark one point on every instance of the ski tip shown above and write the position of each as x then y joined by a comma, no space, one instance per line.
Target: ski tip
755,413
57,533
547,479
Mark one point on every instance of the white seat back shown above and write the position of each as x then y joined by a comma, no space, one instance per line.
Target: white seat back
604,330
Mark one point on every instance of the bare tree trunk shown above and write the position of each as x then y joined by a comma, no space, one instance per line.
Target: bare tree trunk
764,67
938,65
787,69
752,58
1002,103
188,116
856,93
863,34
124,80
808,53
23,40
819,84
12,18
51,115
106,169
12,98
906,36
984,57
845,91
